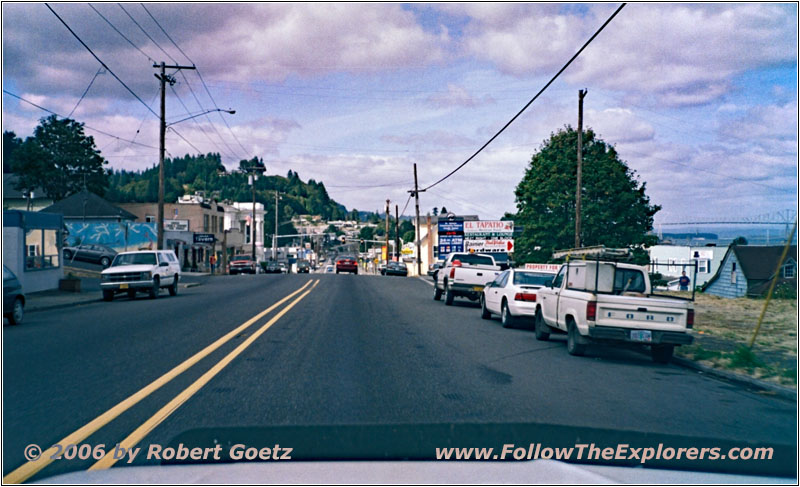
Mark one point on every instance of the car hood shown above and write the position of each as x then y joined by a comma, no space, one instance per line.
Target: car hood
240,262
128,268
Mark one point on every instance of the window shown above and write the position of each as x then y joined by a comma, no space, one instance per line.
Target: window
672,266
214,224
789,271
532,278
733,273
559,278
150,218
628,280
148,258
41,249
205,223
703,266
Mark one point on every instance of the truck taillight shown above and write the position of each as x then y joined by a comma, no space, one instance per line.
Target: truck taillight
453,272
456,263
591,311
525,297
690,319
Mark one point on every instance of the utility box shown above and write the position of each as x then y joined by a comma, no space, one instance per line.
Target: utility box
582,276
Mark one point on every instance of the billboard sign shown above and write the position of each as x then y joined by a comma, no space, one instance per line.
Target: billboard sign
450,243
451,228
490,245
489,229
176,225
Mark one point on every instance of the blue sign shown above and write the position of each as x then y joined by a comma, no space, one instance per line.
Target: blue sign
450,243
451,228
204,238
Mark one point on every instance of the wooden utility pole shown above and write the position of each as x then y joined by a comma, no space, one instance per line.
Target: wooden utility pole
581,94
387,232
164,78
417,241
397,233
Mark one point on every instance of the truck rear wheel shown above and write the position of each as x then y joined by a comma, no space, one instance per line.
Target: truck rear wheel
448,295
662,354
437,293
574,345
540,328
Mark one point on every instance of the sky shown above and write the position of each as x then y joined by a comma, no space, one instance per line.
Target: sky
700,100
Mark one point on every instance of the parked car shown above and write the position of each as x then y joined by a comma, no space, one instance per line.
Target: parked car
396,269
433,269
346,264
464,275
512,295
272,268
98,254
303,267
13,298
283,267
606,302
503,260
143,271
242,264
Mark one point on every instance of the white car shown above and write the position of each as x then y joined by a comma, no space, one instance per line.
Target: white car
143,271
512,295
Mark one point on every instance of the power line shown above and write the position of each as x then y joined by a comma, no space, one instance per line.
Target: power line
586,44
199,152
146,34
85,91
87,126
175,92
100,60
165,32
121,34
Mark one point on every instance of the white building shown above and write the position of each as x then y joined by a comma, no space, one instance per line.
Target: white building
239,216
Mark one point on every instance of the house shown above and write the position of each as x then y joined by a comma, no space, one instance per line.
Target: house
86,206
14,199
31,248
747,270
673,259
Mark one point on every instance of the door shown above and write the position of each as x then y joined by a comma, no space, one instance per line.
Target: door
494,294
550,298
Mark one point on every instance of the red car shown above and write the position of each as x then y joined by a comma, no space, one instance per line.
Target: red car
346,264
243,264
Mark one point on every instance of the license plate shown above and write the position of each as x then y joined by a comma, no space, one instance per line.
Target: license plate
123,286
641,335
477,288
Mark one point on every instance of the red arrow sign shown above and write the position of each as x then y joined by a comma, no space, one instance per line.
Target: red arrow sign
510,245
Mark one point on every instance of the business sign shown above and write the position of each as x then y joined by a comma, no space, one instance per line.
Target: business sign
204,238
176,225
451,228
490,245
490,228
553,268
450,243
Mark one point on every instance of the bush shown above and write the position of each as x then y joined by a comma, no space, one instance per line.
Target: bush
785,290
744,358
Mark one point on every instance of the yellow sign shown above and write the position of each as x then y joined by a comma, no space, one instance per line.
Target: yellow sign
384,253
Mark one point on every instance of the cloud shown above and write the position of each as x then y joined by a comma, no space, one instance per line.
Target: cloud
619,125
432,139
457,96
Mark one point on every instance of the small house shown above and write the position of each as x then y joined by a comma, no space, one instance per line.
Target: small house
747,270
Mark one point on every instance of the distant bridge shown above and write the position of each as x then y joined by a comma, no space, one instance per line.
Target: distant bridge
785,217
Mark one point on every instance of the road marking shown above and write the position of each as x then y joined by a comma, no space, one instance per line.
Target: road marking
27,469
163,413
430,283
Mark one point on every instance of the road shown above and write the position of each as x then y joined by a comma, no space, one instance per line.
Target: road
351,350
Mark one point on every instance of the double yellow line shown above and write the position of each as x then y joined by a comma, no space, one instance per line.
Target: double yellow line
30,468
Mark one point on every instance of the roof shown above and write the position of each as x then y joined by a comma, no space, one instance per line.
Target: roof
9,192
94,207
757,262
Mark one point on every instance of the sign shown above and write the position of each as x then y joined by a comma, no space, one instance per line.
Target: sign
176,225
450,243
204,238
489,228
407,251
384,254
703,254
490,245
543,267
451,228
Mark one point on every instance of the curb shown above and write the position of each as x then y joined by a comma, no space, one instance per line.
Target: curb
782,391
61,305
192,284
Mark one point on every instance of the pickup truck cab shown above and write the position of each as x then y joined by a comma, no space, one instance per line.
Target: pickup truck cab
597,301
143,271
464,275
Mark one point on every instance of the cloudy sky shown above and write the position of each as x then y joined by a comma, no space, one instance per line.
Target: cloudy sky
700,100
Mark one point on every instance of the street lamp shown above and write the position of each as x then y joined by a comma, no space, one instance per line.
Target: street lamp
164,126
253,172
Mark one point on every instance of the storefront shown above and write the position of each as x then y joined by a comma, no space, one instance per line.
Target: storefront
32,248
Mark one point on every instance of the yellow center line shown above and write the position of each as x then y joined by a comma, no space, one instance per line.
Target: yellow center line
163,413
30,468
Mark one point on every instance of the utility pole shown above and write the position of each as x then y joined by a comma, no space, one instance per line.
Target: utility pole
417,241
253,220
275,235
397,232
387,232
581,94
164,78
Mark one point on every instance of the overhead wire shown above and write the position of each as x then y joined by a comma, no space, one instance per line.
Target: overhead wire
563,68
99,71
121,34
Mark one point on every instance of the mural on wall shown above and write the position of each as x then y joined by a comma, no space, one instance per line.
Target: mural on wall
118,236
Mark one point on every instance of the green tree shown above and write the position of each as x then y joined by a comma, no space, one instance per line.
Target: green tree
615,211
409,236
739,241
70,159
367,233
29,164
10,145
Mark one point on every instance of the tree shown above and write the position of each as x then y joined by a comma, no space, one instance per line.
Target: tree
739,241
69,160
367,233
435,211
615,212
409,236
443,211
28,163
354,215
10,145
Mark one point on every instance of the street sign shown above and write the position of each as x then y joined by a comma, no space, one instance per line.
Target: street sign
488,229
490,245
204,238
543,267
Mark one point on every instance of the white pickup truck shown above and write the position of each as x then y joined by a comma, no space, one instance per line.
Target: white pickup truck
464,275
597,301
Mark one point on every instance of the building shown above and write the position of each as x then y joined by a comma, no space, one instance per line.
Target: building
747,270
14,199
708,261
32,248
86,206
239,217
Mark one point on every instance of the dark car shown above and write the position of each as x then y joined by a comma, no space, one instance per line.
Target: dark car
346,264
272,268
503,260
95,253
303,267
396,269
13,299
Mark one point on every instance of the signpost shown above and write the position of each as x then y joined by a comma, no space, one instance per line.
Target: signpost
204,238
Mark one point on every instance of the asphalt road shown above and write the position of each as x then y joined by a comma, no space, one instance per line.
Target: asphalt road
351,350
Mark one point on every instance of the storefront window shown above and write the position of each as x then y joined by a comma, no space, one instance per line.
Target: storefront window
41,249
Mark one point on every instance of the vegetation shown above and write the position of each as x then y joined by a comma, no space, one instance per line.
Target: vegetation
616,212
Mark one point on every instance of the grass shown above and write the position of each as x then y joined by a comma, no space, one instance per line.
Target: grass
723,327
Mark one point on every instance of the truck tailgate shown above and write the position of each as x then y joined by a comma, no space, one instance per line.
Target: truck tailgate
639,312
